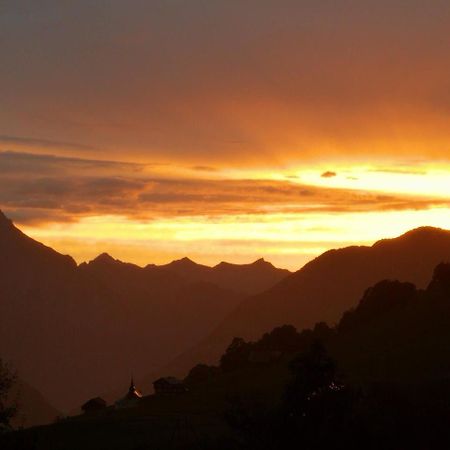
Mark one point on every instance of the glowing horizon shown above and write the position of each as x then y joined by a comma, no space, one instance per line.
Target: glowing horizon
287,219
224,130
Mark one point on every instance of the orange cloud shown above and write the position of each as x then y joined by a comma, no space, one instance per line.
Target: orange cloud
66,189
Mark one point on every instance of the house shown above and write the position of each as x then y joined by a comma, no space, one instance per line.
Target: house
131,399
94,405
169,385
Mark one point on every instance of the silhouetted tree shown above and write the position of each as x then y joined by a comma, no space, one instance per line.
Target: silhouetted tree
318,406
315,413
283,339
440,283
236,355
313,373
256,425
379,301
200,374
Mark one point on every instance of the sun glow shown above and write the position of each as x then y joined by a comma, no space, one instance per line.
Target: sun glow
424,181
287,239
146,213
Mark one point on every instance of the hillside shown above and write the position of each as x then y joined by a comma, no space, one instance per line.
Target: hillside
322,290
391,355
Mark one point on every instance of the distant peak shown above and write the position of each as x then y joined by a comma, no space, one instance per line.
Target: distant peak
5,222
258,263
184,261
3,218
224,264
261,262
104,258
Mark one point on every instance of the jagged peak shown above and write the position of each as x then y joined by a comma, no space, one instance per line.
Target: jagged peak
224,264
8,228
4,220
3,216
260,262
184,261
104,258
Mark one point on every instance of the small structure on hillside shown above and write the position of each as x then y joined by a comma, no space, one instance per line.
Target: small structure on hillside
169,385
264,356
94,405
131,399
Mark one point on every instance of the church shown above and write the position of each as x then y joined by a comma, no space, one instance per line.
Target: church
131,399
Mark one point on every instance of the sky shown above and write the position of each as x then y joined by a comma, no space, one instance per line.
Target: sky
223,130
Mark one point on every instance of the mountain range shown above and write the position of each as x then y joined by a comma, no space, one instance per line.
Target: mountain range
377,379
76,331
321,291
73,331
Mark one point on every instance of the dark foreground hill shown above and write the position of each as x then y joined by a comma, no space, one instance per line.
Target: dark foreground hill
386,386
322,290
76,331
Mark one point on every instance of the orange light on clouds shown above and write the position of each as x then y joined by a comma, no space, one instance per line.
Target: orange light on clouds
420,181
286,239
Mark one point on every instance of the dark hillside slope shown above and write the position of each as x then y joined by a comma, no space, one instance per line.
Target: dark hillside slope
323,289
393,386
333,282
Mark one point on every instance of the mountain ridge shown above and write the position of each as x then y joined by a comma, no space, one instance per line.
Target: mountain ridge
322,290
109,316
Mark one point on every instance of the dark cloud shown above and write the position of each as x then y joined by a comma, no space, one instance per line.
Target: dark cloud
29,163
42,143
328,174
204,168
37,216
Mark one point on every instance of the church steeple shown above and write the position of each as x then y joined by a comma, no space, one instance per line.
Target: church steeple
133,395
132,391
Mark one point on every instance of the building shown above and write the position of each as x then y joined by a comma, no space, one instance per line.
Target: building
94,405
169,385
131,399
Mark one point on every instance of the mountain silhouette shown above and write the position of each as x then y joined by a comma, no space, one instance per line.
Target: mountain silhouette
322,290
19,249
76,331
377,379
250,279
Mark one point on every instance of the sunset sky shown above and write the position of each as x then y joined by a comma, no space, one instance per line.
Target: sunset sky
223,130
